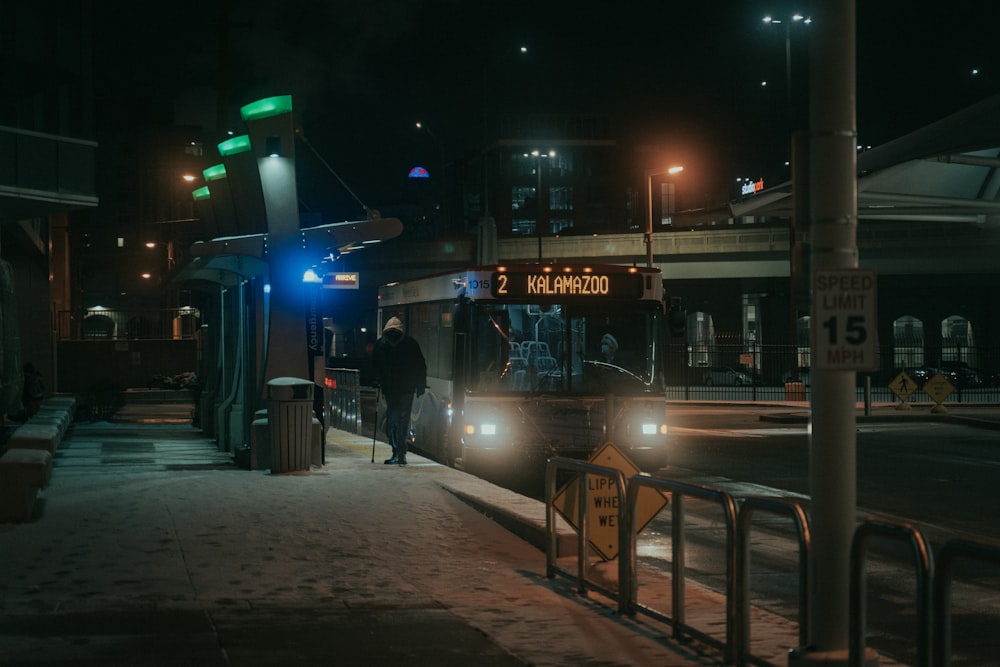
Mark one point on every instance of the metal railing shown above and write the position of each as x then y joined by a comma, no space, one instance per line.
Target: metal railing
933,586
343,399
858,603
111,324
678,491
941,594
798,516
583,471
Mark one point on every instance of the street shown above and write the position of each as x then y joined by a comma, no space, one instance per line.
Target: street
935,476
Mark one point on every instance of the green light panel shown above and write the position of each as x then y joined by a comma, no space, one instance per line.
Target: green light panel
201,193
215,172
267,107
240,144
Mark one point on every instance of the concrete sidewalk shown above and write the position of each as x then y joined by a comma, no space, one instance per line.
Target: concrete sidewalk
151,548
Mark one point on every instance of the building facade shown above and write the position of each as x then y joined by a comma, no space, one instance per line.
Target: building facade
47,174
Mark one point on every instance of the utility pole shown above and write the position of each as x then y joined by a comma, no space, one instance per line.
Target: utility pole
832,183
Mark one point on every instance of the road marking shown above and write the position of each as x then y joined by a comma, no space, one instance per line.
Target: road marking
957,460
733,487
741,432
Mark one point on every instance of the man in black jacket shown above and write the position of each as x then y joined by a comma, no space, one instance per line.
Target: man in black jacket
401,372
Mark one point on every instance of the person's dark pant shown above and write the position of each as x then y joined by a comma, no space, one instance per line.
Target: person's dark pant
398,407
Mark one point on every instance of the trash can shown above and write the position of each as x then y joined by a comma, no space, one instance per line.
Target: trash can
289,416
795,391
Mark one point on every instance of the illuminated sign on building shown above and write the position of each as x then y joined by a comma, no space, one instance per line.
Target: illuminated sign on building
528,285
752,187
340,281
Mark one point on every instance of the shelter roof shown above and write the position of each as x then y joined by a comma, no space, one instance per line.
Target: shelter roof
946,171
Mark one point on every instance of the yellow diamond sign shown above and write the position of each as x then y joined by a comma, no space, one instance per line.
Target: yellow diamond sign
602,499
902,386
938,388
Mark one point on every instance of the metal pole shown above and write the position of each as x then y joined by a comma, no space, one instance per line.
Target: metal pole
378,394
538,205
788,74
649,208
832,184
868,396
649,221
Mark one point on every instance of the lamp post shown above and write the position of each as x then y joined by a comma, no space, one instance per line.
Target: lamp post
491,100
437,144
787,23
649,207
439,181
538,155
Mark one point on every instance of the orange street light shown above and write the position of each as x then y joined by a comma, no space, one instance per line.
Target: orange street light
649,207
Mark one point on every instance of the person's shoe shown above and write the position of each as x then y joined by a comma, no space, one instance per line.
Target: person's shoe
401,461
393,461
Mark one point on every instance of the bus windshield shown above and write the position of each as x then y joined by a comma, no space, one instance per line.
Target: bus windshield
564,348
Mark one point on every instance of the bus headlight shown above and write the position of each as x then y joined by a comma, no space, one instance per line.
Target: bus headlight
481,429
650,428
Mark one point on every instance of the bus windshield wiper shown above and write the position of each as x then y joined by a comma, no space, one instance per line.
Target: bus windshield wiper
618,369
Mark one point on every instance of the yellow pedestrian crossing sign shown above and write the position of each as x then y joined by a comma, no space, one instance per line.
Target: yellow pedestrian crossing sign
902,386
602,499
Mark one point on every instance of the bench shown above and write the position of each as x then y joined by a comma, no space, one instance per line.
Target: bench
26,461
35,435
23,472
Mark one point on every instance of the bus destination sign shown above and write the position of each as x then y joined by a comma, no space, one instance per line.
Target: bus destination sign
543,285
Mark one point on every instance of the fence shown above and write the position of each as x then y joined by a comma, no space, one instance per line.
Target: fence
933,586
343,399
732,369
110,324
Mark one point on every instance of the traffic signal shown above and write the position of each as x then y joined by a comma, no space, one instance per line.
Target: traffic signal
677,318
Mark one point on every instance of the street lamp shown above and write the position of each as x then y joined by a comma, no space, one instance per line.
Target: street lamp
649,207
439,181
787,23
538,155
437,144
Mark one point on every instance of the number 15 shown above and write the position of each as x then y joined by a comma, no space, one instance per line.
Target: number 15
854,333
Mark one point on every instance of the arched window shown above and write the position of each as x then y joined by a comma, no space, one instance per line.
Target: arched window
908,342
701,339
98,326
957,340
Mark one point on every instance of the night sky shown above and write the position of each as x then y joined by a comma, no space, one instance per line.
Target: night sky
683,77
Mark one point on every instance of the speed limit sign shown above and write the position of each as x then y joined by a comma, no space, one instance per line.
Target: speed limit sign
844,323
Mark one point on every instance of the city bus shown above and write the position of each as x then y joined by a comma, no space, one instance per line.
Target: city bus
534,360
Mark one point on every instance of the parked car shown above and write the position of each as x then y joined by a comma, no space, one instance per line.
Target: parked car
960,374
723,376
919,374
